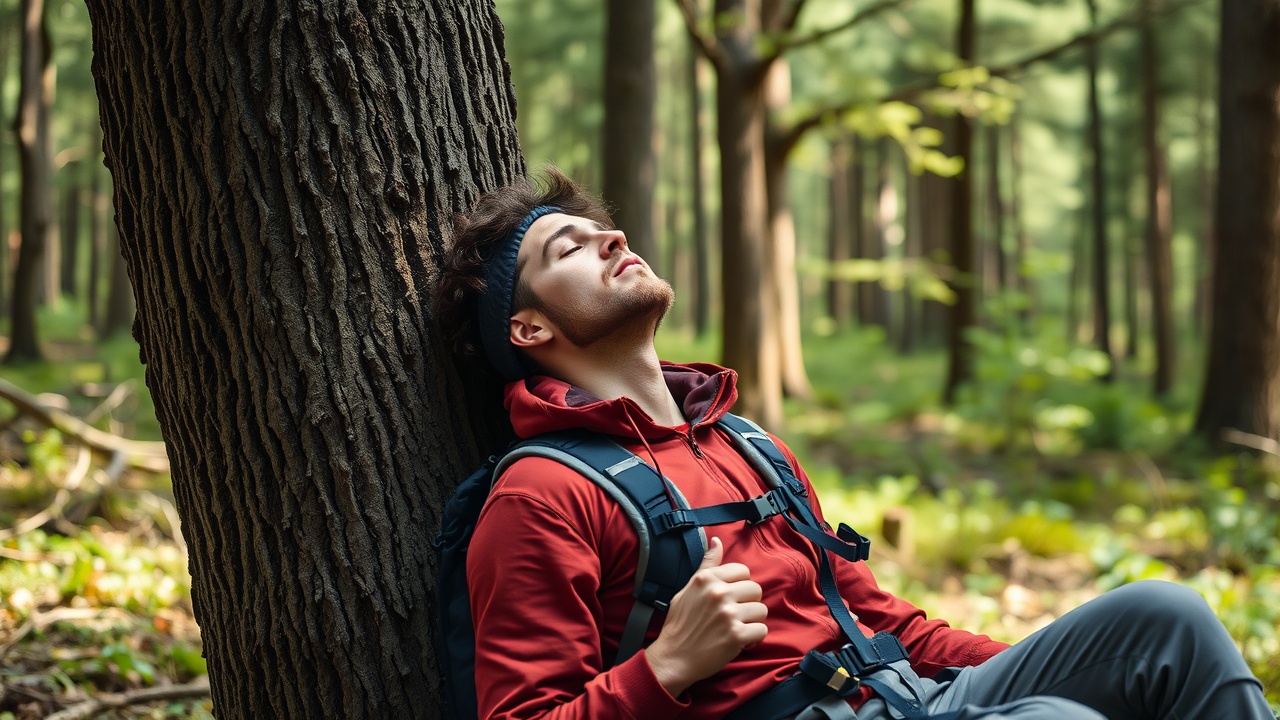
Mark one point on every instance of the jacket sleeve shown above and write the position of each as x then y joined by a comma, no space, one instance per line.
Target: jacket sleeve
932,644
534,573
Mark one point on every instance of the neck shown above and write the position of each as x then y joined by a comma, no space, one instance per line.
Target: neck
622,371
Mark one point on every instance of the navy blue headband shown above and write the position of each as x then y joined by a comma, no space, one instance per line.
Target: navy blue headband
494,313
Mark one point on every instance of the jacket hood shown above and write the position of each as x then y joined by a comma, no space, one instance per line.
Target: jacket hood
541,404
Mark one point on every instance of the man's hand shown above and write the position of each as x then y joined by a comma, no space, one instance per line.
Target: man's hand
711,620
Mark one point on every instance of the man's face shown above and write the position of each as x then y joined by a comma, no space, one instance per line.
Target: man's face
589,285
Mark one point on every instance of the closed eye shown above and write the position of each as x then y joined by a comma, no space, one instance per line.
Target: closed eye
572,249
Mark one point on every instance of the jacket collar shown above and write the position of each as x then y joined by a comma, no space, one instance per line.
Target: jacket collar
543,404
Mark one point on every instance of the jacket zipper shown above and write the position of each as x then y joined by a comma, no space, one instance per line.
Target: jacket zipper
693,444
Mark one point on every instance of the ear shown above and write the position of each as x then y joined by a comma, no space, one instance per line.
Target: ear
530,329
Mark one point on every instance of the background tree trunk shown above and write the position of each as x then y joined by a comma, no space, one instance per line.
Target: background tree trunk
1159,213
750,338
701,231
34,157
781,243
99,209
839,293
627,146
964,313
1242,378
118,313
1098,210
284,178
69,237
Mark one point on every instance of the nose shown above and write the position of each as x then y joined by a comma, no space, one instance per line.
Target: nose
612,241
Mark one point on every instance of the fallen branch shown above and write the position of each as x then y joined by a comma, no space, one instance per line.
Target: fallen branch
140,454
114,400
82,711
39,621
1249,440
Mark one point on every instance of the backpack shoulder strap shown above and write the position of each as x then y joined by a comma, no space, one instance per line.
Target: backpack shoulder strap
768,460
666,561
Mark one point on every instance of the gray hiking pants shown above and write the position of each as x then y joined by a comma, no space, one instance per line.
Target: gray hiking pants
1147,651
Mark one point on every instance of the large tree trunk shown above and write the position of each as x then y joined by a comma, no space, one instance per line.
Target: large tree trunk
1242,378
1159,212
34,158
284,179
964,313
1098,210
627,143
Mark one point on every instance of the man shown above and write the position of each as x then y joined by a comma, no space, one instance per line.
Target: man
541,283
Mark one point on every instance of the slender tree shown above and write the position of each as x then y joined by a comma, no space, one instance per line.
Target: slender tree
964,312
627,144
697,196
69,235
36,210
118,313
781,241
1159,213
1098,208
284,180
1241,391
748,339
839,293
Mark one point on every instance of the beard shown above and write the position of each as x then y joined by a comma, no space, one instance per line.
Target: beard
624,314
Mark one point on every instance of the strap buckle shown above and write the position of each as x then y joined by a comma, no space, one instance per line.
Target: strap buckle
674,520
861,543
827,670
880,650
764,507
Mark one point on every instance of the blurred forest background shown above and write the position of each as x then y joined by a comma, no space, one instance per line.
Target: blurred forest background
980,306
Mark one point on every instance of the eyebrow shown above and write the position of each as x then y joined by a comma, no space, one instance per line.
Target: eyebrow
561,232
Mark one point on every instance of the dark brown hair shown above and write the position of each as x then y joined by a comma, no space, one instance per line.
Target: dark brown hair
475,236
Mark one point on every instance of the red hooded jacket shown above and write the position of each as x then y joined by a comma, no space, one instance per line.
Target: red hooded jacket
552,567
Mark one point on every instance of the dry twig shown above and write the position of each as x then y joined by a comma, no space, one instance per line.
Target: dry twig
42,620
107,701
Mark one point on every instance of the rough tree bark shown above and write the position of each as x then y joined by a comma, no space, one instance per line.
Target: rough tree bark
36,207
627,142
1242,379
284,177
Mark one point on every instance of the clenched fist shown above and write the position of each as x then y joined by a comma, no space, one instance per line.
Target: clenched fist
712,619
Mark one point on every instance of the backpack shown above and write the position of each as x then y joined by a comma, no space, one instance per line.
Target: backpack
671,542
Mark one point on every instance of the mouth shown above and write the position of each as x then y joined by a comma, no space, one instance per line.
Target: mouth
626,263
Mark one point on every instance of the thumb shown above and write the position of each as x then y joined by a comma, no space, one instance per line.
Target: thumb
714,554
